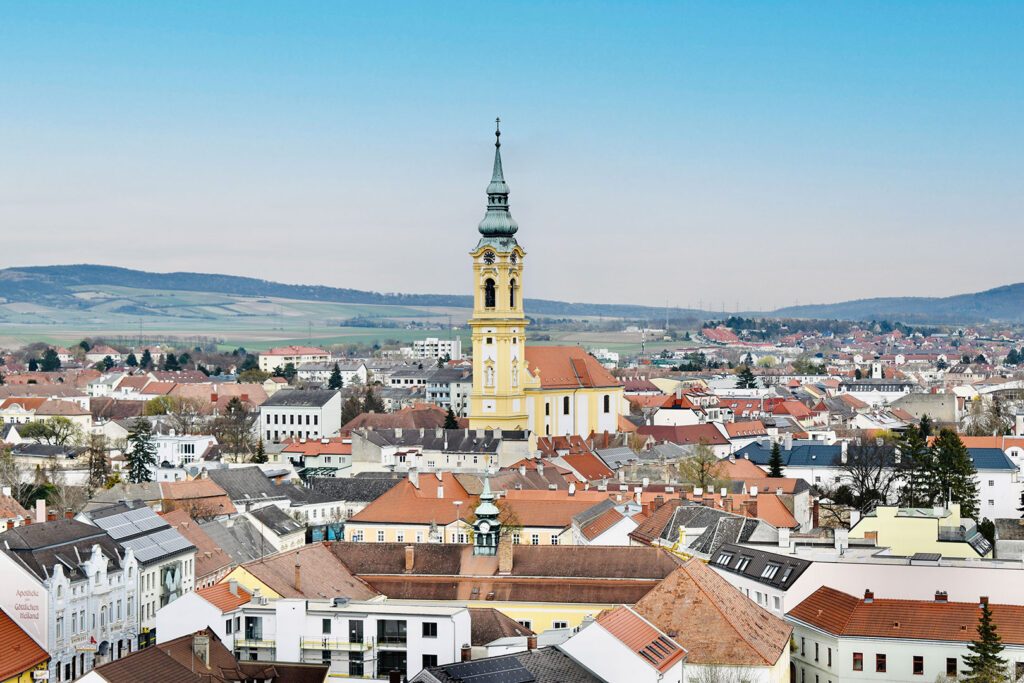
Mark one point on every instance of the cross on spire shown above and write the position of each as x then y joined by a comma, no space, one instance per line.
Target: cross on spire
497,132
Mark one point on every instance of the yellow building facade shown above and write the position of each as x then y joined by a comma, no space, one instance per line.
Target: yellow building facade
551,390
908,531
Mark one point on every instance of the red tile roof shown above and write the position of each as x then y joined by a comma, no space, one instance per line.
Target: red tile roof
406,504
745,429
567,367
220,596
314,447
21,653
636,633
714,621
295,351
589,465
602,523
842,614
685,435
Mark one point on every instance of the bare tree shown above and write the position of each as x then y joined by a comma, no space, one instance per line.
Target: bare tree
17,477
703,468
870,475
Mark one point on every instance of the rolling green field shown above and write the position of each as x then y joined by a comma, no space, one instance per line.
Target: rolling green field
128,315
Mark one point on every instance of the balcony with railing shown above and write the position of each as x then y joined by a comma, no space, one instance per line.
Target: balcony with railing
340,645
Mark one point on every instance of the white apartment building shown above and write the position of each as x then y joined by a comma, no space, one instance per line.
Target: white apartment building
357,638
435,348
841,637
175,452
298,414
74,590
296,355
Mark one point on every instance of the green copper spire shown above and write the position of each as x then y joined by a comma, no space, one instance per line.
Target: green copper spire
498,222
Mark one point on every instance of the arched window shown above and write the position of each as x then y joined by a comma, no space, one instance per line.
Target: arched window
512,294
607,403
565,405
489,293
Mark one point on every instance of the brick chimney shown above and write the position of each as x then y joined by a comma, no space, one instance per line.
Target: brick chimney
298,573
941,596
531,642
504,555
467,653
68,514
410,557
869,596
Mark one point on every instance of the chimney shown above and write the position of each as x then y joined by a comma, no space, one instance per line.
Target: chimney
414,477
440,491
522,470
540,468
789,441
784,537
983,602
659,500
467,653
572,488
869,597
7,491
298,574
213,397
244,398
395,676
51,516
68,514
724,492
398,432
753,492
698,491
941,596
201,647
504,555
410,557
40,510
531,642
233,587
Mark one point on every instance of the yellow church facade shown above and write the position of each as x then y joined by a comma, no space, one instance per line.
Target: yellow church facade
549,390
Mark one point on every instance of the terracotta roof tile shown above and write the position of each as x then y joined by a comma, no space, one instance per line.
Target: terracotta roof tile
602,523
405,503
323,574
640,636
562,367
843,614
220,596
685,435
21,653
714,621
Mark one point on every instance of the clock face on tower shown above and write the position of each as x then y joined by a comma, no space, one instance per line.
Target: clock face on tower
485,527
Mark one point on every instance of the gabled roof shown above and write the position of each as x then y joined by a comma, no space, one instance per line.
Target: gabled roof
322,574
714,622
21,653
640,636
789,568
311,398
598,519
488,625
685,435
991,459
421,415
225,596
408,504
745,429
353,489
590,467
246,484
545,665
567,367
276,520
842,614
210,558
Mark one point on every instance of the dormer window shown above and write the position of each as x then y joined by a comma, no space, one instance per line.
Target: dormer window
489,257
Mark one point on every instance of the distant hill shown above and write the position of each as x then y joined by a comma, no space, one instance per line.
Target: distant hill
1000,304
58,286
64,287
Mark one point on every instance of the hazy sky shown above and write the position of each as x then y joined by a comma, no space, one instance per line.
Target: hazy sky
761,153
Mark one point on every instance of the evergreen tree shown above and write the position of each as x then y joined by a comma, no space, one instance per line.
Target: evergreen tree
85,346
775,462
141,451
450,421
335,381
260,456
33,365
108,362
146,362
921,488
350,409
99,466
50,362
925,426
984,664
745,378
955,473
1012,358
857,374
372,404
131,361
171,362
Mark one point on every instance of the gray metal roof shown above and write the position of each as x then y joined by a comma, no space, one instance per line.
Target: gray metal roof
771,569
297,398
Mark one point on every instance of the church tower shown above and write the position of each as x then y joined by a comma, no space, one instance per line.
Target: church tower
498,323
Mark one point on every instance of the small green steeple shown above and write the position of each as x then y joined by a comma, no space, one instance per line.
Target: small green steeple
487,527
498,222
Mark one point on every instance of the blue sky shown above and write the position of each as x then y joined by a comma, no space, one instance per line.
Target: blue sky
755,153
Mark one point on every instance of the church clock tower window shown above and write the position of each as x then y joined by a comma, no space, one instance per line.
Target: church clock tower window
489,296
512,294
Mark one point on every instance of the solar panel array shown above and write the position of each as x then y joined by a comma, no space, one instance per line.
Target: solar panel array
131,523
163,543
498,670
